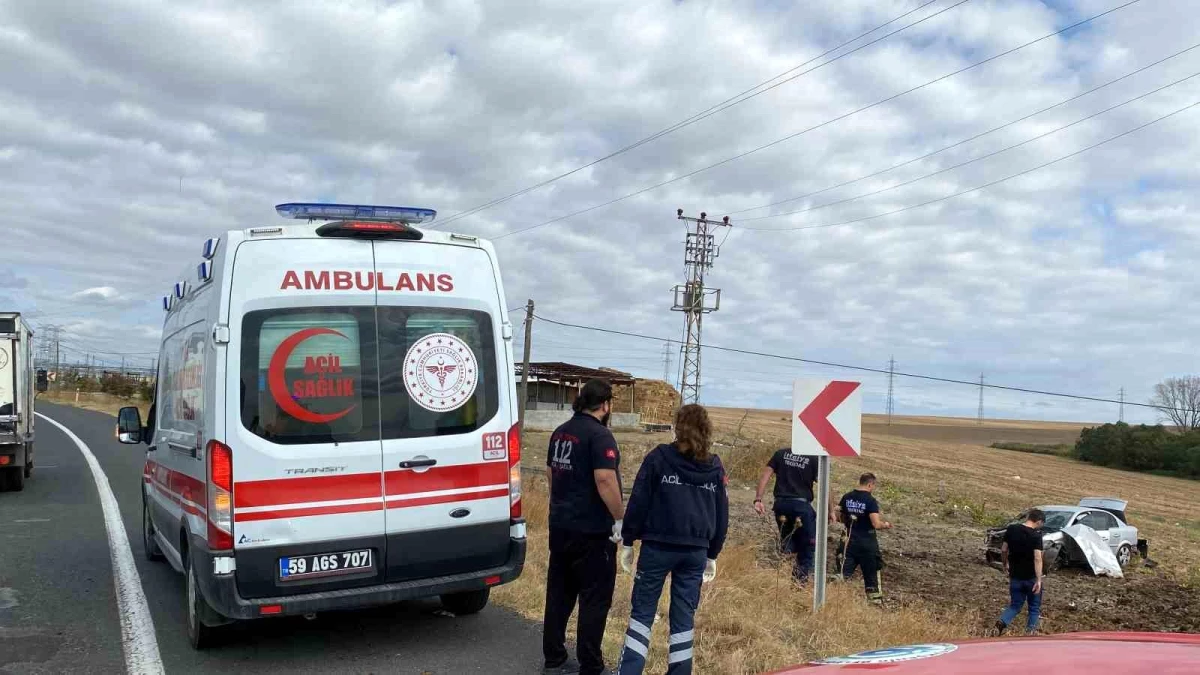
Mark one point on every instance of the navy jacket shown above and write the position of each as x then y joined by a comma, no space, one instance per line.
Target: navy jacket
678,501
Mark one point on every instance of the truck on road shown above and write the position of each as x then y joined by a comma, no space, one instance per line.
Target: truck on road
16,401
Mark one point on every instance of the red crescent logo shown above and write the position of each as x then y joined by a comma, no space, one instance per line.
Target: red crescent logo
277,382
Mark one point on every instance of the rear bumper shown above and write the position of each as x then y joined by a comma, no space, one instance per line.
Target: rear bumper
221,590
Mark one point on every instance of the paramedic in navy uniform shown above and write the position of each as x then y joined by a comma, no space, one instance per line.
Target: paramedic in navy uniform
680,511
585,523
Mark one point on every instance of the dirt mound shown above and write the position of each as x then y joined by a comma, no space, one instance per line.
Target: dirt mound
654,400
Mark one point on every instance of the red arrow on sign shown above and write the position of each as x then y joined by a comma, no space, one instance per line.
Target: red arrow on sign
815,417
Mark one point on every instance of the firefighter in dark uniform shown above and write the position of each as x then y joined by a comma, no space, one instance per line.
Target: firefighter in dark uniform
679,509
582,466
793,506
860,514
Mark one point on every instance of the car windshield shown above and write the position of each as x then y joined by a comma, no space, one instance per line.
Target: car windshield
1057,520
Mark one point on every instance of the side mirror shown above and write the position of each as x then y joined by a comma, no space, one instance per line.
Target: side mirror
43,381
129,425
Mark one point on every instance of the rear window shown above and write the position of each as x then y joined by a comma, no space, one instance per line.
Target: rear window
438,371
338,374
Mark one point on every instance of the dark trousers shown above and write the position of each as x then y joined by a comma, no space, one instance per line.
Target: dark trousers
583,567
1020,591
685,564
797,533
863,551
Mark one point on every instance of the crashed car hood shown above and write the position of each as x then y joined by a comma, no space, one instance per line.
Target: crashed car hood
1097,553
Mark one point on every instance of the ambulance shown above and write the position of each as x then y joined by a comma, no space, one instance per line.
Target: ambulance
335,422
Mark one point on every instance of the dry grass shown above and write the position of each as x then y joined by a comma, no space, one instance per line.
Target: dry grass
751,618
98,401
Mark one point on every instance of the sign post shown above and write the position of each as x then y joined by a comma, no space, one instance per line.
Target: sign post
826,422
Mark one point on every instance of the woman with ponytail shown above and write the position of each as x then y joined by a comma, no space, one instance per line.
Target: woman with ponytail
680,511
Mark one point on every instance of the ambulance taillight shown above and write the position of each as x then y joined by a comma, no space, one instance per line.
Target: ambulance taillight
514,471
220,496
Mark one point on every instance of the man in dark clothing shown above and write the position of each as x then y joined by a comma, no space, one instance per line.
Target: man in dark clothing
860,514
679,508
1022,556
585,524
792,505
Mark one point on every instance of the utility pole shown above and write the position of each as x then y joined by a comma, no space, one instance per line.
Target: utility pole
693,299
981,398
1121,414
666,362
525,367
891,403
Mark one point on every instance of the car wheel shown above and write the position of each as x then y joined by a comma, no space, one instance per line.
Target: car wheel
149,544
1124,554
1060,560
199,635
470,602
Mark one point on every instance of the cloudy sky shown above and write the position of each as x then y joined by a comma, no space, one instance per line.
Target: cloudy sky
130,131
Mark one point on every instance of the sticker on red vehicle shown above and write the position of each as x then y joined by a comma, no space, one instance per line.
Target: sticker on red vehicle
440,372
890,655
495,446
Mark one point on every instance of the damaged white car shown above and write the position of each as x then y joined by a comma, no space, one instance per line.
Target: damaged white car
1068,542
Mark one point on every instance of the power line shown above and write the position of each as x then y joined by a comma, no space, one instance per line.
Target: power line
865,369
977,188
967,140
812,128
976,159
728,103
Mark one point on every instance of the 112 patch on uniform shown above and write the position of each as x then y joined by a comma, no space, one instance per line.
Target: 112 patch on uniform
495,446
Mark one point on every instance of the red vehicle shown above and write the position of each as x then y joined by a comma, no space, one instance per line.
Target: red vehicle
1066,654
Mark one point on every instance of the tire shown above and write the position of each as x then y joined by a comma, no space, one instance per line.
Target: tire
199,635
1124,555
16,479
470,602
149,544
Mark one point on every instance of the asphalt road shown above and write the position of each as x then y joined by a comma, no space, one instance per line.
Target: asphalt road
58,606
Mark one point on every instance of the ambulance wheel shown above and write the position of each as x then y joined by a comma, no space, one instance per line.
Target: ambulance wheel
200,635
470,602
149,544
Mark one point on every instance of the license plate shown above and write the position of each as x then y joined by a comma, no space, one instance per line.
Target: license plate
324,565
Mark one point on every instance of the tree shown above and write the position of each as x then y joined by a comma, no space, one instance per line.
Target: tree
1178,401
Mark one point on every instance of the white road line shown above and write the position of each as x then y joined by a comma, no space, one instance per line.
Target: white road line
137,627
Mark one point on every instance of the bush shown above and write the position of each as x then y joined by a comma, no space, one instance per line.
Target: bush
1056,449
1141,448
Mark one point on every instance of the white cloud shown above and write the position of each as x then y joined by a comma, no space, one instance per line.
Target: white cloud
127,144
104,294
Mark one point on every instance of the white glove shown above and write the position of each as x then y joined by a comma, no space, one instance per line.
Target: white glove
616,532
710,571
627,559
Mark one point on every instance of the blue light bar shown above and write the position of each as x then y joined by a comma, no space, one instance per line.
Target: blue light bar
181,289
210,247
402,214
167,302
204,272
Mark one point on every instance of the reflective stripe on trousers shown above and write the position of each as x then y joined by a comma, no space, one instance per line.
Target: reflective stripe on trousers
685,565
